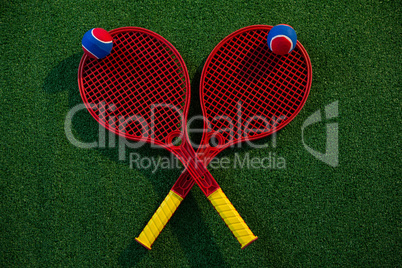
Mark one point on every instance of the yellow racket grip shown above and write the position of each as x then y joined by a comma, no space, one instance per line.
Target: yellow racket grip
232,218
159,220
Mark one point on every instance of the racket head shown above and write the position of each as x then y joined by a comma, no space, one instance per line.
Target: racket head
141,90
247,92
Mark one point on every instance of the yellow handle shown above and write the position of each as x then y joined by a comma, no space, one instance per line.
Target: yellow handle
159,220
232,218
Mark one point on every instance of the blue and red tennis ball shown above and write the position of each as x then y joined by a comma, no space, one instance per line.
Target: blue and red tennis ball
97,43
282,39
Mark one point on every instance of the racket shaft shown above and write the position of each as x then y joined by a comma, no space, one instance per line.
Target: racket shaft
211,189
217,198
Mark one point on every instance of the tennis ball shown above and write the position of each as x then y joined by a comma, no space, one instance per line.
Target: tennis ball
282,39
97,43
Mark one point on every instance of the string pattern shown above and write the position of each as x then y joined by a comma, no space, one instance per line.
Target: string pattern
139,90
249,91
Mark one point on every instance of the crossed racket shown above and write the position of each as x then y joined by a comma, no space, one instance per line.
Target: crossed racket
141,91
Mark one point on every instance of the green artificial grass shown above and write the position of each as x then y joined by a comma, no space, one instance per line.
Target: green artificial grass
66,206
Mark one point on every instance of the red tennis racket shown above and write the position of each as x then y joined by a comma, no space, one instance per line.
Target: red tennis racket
247,92
141,91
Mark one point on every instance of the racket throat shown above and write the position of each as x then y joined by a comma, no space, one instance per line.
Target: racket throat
196,168
184,183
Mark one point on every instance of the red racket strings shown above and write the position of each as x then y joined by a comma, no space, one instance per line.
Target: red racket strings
127,91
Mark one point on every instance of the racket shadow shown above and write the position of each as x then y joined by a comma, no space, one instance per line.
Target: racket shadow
189,228
195,110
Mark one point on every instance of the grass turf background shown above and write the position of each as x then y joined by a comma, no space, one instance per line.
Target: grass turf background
66,206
